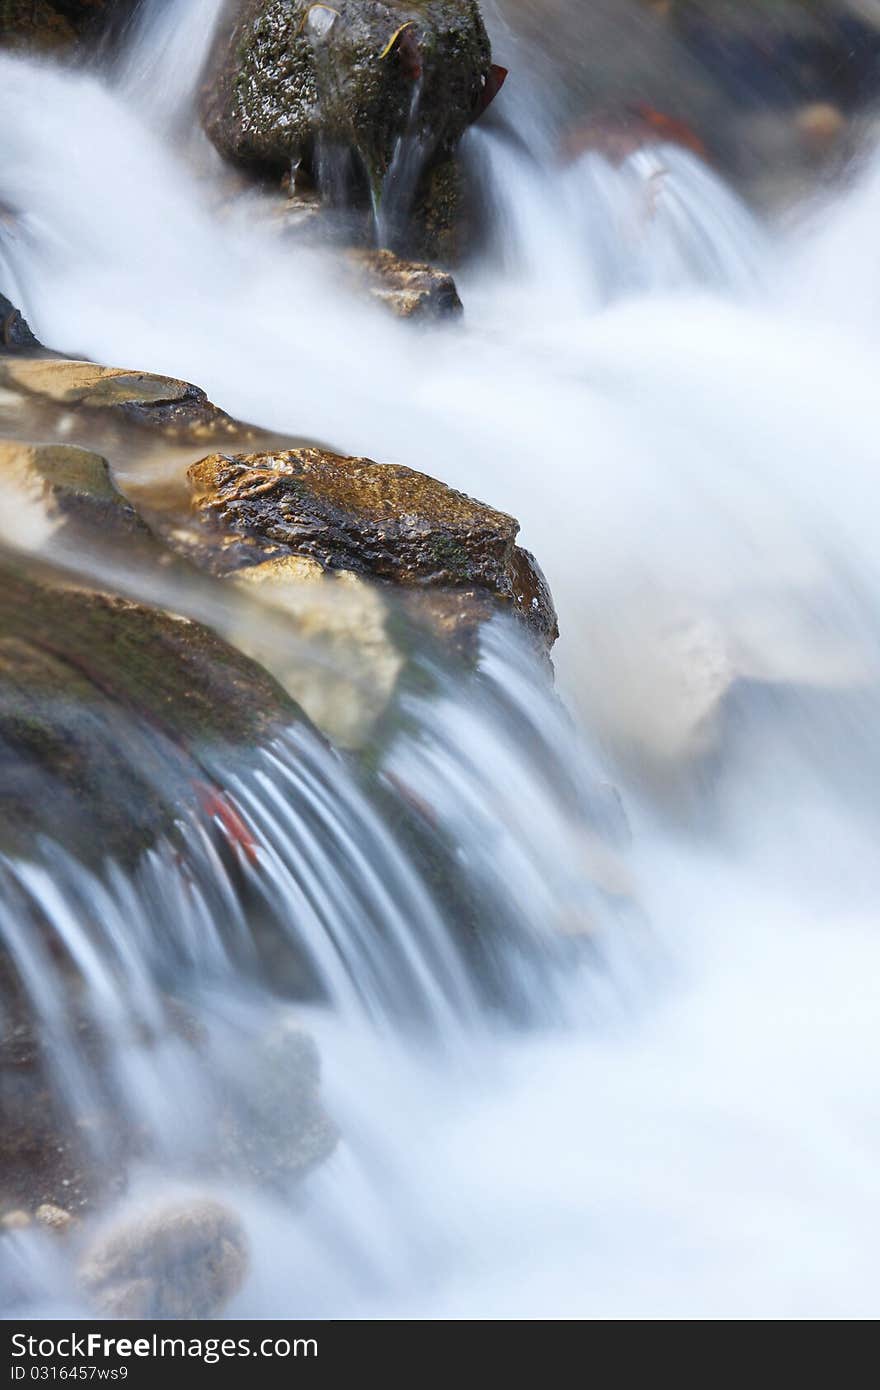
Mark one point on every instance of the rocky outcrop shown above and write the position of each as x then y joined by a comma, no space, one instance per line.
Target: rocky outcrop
295,81
114,706
383,521
182,1261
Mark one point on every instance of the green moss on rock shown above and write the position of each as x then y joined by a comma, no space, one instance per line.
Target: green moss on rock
291,76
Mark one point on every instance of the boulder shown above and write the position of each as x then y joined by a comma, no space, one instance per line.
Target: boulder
675,699
295,81
181,1261
383,521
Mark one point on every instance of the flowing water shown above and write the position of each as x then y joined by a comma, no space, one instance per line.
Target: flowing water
677,403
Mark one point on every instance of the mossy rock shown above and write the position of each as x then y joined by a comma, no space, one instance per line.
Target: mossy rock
34,24
109,714
384,521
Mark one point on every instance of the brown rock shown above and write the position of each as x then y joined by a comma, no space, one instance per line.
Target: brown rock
34,24
54,1218
52,26
344,621
381,520
290,78
176,407
17,1220
47,485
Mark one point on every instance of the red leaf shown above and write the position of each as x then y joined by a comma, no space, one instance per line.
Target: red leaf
216,804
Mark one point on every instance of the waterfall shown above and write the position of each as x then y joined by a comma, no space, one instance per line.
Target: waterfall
164,57
589,971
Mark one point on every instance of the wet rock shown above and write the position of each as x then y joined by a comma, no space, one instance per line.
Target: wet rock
182,1261
160,403
672,695
408,289
52,486
383,521
437,224
34,24
42,1155
295,81
16,1220
821,128
56,26
619,134
15,335
113,706
273,1126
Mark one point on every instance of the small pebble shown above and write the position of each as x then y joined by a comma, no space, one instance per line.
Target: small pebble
56,1218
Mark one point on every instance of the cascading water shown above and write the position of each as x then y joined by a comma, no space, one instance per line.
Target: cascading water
686,1127
163,59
